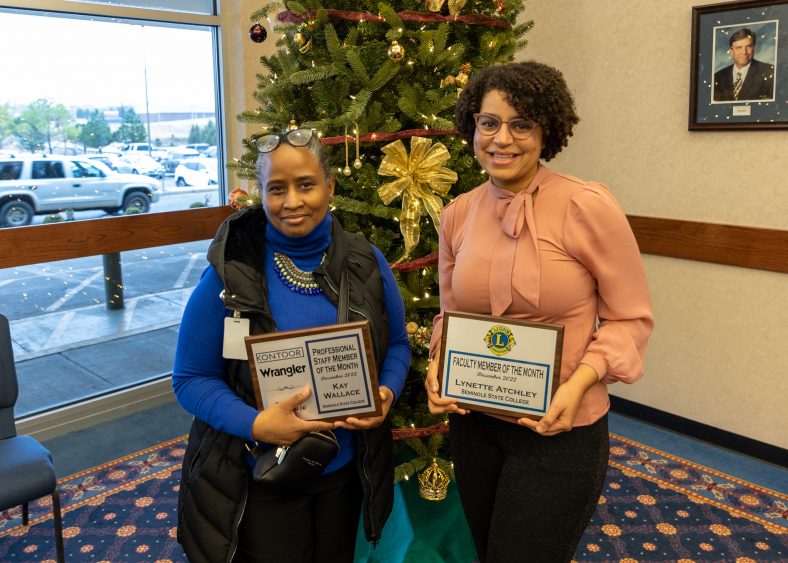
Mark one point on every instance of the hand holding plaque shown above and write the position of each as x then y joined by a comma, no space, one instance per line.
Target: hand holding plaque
335,361
499,365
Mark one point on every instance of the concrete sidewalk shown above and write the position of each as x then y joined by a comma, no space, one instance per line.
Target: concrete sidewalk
66,356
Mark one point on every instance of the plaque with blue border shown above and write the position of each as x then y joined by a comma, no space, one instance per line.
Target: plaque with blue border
500,365
335,361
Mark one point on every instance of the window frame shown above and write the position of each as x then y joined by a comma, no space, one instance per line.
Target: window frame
36,244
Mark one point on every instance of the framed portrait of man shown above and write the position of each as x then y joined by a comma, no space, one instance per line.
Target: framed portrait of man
739,66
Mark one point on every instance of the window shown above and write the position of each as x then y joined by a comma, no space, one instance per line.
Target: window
123,87
84,86
194,6
84,170
43,169
10,170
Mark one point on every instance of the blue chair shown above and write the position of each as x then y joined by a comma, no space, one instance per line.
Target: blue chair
26,470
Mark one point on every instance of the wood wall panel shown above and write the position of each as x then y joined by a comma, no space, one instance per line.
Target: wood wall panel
746,247
21,246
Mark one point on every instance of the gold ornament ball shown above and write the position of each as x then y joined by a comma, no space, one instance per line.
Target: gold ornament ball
411,327
299,39
396,52
357,164
422,336
448,81
461,80
346,171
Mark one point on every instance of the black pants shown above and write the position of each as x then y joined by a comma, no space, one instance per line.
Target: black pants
318,526
527,498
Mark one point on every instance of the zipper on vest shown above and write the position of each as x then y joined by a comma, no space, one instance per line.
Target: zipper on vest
236,525
370,512
359,313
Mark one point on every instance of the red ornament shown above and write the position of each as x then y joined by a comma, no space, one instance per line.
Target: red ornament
258,33
238,198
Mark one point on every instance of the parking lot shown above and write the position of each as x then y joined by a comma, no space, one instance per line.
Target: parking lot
173,198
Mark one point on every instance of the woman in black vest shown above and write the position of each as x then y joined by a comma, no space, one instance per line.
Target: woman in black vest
278,266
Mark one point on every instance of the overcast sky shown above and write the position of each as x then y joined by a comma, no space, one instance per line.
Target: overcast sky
86,63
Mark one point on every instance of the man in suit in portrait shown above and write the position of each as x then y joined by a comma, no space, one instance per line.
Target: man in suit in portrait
746,79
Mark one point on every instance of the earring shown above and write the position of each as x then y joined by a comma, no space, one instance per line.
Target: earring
357,162
346,171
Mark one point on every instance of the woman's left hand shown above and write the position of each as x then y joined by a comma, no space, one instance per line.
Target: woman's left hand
561,415
352,423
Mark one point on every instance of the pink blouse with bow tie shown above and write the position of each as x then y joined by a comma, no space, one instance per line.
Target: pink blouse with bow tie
561,252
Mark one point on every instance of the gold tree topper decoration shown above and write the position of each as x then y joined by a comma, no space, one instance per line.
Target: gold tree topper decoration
421,179
434,483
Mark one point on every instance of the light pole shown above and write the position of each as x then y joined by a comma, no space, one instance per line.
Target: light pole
145,73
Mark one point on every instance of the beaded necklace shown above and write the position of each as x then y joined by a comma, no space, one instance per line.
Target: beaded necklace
294,277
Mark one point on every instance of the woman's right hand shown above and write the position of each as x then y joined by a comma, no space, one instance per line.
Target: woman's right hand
438,404
278,424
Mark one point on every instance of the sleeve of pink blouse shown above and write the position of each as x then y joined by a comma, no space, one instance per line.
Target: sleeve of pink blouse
445,271
598,235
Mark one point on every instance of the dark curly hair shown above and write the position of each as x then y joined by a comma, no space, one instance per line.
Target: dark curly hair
537,91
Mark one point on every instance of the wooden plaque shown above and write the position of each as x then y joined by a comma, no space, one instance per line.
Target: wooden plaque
336,361
500,365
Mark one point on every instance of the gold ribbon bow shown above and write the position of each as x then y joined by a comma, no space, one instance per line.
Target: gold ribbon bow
420,177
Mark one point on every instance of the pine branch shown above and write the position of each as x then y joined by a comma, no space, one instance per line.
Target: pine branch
358,105
296,7
390,15
363,208
266,11
333,45
418,446
385,73
312,75
353,58
452,57
408,469
440,37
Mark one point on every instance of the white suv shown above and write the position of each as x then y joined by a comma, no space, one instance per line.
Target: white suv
37,185
144,148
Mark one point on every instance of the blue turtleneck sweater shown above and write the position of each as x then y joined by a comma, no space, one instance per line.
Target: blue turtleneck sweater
198,373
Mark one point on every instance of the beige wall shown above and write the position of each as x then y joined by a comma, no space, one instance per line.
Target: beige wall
719,354
241,58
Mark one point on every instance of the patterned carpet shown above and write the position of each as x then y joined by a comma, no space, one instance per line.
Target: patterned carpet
655,507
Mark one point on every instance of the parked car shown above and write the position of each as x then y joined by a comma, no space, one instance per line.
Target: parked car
177,154
199,147
210,152
144,148
39,185
197,172
111,161
143,164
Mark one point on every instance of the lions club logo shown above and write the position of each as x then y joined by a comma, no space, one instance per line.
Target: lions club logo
500,340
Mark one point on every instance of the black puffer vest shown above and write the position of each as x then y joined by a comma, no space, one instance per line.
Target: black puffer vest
215,474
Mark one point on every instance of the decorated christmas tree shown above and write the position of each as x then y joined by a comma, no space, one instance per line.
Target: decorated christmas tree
379,82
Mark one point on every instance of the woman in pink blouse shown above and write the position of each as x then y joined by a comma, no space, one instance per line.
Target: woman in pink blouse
535,244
